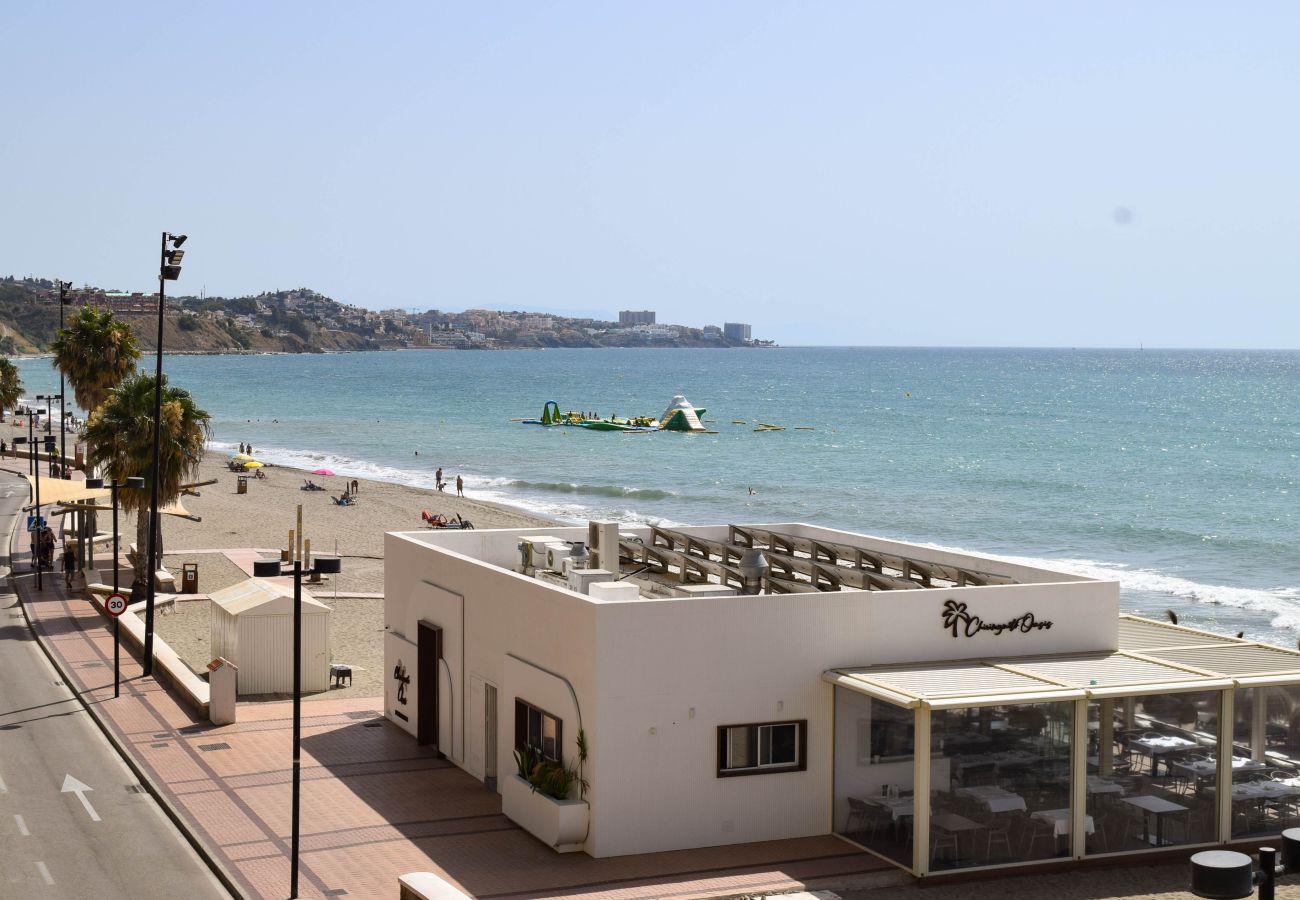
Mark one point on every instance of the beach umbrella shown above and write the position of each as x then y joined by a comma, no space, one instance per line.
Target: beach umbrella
239,456
253,464
326,472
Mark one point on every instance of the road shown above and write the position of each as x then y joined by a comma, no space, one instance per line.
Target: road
74,821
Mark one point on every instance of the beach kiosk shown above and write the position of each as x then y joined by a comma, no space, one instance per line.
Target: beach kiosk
252,626
723,684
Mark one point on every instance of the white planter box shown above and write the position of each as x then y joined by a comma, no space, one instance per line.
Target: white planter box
561,824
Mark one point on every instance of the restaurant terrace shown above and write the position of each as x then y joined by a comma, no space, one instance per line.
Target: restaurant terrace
1072,756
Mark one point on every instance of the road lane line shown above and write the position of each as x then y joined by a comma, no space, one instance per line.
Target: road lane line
22,826
45,873
4,788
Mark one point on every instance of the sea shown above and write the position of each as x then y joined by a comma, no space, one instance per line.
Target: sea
1173,471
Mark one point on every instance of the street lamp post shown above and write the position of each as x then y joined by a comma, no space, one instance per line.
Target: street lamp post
63,406
169,269
33,464
38,541
270,568
134,482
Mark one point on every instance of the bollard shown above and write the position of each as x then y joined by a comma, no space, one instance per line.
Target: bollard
1229,875
1222,875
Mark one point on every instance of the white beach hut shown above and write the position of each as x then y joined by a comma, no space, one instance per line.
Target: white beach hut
252,626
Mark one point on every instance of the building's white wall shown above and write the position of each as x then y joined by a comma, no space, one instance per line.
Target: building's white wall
224,634
502,614
266,653
639,668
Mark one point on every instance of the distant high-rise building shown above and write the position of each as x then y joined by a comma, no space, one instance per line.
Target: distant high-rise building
736,331
636,317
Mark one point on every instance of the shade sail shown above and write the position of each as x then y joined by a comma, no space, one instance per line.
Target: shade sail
57,490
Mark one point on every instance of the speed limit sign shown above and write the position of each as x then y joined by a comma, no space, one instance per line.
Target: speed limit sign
115,605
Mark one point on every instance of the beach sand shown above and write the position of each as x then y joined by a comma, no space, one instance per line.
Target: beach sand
262,518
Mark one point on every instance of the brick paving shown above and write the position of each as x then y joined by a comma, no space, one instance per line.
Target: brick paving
374,805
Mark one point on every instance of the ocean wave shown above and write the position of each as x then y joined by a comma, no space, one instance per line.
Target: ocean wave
535,498
1281,605
601,490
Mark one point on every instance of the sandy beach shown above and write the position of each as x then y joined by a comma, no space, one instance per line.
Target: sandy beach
262,518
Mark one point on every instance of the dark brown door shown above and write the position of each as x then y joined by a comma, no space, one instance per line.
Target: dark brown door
430,656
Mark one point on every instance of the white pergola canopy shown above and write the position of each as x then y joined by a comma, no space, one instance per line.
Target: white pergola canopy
1154,657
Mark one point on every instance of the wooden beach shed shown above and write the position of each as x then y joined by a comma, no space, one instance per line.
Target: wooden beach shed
252,626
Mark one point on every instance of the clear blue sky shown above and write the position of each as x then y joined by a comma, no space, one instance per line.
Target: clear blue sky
1046,174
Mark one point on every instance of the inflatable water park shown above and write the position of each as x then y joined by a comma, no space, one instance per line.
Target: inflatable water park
679,416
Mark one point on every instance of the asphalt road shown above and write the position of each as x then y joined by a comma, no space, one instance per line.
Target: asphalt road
105,842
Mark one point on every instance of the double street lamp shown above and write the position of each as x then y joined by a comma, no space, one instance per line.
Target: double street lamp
270,568
169,269
135,483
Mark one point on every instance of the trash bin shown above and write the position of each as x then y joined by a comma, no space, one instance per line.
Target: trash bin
189,578
243,485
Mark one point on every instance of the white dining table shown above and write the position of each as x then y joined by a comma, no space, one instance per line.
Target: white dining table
899,807
993,798
1059,819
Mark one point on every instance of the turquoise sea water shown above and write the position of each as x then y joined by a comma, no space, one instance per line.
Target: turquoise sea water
1174,471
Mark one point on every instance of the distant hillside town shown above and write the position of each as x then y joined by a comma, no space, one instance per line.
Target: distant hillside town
304,321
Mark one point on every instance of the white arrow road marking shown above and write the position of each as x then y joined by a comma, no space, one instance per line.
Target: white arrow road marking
45,873
73,786
22,826
4,788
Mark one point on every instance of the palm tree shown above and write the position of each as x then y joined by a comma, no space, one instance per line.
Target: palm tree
119,439
95,352
11,387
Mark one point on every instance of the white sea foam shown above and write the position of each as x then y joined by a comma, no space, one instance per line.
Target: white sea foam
1281,605
495,489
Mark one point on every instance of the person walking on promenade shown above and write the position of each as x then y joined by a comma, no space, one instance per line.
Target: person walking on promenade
460,486
69,566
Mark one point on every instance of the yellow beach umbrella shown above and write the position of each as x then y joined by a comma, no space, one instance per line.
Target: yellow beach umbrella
253,464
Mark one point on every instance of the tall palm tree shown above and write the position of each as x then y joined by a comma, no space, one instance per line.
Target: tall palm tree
119,439
11,387
95,352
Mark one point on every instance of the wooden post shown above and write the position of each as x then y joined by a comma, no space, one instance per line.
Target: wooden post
299,556
306,554
291,544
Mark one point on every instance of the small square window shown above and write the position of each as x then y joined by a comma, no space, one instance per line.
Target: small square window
762,748
535,727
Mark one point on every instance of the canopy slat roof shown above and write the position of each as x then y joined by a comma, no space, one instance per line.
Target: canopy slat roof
1144,634
1172,659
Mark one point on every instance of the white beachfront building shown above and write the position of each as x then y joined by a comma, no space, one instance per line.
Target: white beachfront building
745,683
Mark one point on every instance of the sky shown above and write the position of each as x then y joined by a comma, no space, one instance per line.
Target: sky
867,173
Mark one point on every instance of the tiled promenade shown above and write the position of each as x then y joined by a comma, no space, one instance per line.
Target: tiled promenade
374,805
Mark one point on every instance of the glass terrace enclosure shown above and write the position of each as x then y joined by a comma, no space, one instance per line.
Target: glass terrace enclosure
1179,738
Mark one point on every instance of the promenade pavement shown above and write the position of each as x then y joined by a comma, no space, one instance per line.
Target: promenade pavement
374,805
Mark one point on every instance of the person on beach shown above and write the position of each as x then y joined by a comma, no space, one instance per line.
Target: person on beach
460,486
437,477
356,485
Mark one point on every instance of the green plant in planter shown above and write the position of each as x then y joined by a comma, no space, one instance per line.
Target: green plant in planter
548,776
